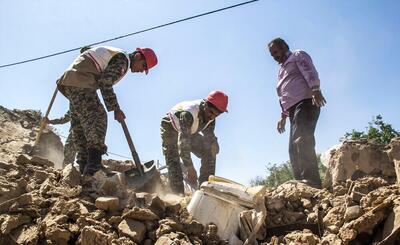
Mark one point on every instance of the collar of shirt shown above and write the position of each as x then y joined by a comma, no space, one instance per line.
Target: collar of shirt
288,54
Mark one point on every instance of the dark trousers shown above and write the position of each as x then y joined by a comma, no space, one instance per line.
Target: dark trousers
303,120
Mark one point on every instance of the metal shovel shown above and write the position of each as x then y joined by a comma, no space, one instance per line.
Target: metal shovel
140,175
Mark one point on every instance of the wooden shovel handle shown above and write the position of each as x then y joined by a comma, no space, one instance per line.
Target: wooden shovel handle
135,155
42,122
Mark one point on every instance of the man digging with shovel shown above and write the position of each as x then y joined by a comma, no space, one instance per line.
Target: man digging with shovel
180,134
98,68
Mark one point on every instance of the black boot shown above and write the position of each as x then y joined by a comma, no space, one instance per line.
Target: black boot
94,162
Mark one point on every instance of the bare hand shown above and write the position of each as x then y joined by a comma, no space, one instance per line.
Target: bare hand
318,99
46,120
119,115
281,125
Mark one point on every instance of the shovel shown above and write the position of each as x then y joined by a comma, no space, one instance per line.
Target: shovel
141,174
43,123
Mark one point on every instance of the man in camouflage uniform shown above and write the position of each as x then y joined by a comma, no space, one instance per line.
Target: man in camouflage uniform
98,68
69,147
189,127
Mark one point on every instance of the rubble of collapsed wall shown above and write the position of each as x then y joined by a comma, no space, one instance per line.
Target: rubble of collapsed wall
18,130
41,204
360,206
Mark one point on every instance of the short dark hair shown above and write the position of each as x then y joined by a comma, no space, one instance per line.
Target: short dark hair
280,42
83,49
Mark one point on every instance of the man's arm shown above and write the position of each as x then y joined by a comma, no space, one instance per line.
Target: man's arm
64,119
307,69
114,70
210,138
185,121
310,74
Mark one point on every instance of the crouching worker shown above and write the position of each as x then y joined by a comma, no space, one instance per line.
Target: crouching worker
98,68
189,127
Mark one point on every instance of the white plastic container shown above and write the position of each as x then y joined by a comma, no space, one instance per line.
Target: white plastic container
220,201
209,209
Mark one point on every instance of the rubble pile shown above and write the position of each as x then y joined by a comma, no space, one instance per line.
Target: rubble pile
18,130
359,210
42,204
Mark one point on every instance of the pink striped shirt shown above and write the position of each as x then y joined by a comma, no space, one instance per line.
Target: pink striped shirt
296,76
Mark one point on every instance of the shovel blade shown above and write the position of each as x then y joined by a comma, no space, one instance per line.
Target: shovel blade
135,180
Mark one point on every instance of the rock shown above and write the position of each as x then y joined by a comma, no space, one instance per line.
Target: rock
58,235
27,235
168,225
10,222
331,239
107,203
113,186
356,159
173,238
141,214
194,228
123,241
334,217
132,229
71,176
305,237
93,236
352,212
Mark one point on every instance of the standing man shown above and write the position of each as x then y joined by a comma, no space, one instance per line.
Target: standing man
69,147
98,68
300,98
189,127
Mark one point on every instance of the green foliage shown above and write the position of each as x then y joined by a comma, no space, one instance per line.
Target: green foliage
278,174
377,132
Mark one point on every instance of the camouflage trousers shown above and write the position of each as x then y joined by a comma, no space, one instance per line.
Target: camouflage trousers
69,149
200,147
89,121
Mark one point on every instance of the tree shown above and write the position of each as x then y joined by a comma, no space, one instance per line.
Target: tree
377,132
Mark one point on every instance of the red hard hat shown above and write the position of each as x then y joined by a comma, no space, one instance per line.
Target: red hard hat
219,99
150,57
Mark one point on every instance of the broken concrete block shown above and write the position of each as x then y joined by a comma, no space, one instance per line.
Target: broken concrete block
132,229
355,159
107,203
92,236
304,237
71,176
352,212
141,214
26,235
113,186
10,222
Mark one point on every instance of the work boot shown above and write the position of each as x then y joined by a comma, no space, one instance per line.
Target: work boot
94,162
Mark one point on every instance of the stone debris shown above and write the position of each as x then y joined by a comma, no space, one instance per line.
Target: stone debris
42,204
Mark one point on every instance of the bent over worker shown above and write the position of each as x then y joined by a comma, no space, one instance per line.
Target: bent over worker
189,127
300,98
98,68
69,147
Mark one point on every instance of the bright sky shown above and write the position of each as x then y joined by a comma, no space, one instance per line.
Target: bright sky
353,45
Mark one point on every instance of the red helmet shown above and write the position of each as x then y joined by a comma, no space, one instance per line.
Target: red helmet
150,57
219,99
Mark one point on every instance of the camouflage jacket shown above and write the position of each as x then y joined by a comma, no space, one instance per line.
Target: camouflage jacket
184,137
114,70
